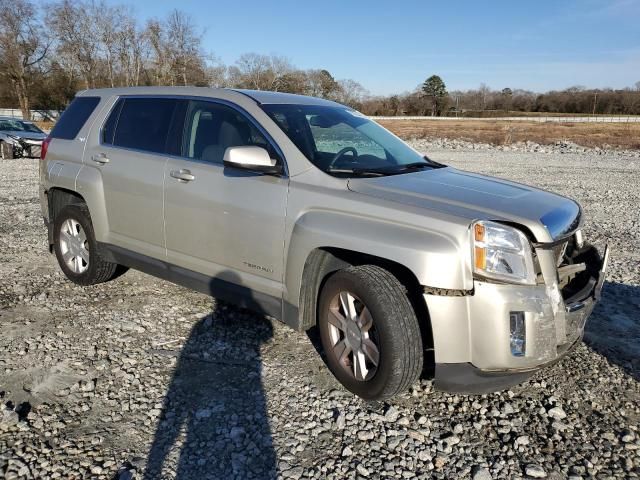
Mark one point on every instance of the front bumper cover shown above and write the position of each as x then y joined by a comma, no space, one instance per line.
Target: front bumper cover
466,379
471,333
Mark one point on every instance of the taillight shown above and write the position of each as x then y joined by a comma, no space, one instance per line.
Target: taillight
45,147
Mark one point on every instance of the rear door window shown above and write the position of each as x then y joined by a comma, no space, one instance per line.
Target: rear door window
74,117
144,123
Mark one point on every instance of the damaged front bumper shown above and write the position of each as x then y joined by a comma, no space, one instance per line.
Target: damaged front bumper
501,334
25,147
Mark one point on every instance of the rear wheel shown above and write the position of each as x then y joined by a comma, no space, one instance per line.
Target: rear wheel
369,332
76,248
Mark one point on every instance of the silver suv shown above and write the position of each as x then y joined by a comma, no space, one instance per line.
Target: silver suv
307,211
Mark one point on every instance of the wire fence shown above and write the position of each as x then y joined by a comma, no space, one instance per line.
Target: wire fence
36,115
541,119
40,115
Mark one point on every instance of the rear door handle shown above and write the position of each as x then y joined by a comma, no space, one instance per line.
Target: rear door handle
183,175
100,158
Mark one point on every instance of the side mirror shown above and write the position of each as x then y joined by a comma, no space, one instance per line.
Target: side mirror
255,159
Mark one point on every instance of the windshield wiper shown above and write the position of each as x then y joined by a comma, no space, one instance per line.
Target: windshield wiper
416,166
356,171
381,171
433,163
396,168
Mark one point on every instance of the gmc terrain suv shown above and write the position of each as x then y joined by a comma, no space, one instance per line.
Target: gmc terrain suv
309,212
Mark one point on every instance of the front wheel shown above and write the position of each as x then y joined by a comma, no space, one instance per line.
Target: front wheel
369,332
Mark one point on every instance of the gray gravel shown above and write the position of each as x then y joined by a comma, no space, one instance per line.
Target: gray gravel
141,375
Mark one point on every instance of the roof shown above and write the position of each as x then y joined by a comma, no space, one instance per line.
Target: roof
259,96
14,119
265,97
186,91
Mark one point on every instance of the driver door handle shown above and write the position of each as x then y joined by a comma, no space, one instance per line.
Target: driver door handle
183,175
100,158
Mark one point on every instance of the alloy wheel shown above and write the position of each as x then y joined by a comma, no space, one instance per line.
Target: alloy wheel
353,336
74,246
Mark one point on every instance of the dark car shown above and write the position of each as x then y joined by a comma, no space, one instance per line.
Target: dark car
19,138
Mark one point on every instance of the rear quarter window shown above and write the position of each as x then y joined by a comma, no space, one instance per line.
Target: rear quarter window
74,117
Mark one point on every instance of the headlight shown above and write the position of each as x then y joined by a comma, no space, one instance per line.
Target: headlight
502,253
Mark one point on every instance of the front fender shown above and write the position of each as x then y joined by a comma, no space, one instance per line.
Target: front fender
437,259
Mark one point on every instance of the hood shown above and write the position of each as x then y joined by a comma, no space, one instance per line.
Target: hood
25,135
477,197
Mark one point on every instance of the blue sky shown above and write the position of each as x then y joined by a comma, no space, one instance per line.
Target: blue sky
392,46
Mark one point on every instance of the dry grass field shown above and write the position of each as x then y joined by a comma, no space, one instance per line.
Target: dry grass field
619,135
500,132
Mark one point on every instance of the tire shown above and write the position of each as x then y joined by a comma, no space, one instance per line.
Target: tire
6,151
390,324
79,257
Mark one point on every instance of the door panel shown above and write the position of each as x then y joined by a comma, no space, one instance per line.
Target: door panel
224,222
131,156
132,184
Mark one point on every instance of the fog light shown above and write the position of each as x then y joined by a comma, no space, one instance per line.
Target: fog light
518,337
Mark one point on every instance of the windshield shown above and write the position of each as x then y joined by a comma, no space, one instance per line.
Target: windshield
18,126
342,141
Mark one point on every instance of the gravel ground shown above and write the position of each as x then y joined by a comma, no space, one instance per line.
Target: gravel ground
139,378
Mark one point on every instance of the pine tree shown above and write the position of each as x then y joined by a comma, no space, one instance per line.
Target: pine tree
435,88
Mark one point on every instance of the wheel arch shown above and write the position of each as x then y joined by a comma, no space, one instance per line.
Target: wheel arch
322,262
57,199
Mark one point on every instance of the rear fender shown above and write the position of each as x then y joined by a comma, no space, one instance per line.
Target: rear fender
90,186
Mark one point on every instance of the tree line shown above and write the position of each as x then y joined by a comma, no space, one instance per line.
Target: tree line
90,44
432,98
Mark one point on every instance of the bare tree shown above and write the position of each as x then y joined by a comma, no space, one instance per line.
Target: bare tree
23,47
132,50
216,72
156,37
350,93
484,93
108,21
74,28
253,70
262,72
176,47
183,46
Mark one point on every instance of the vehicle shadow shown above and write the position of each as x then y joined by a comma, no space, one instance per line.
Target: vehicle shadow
613,330
214,421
